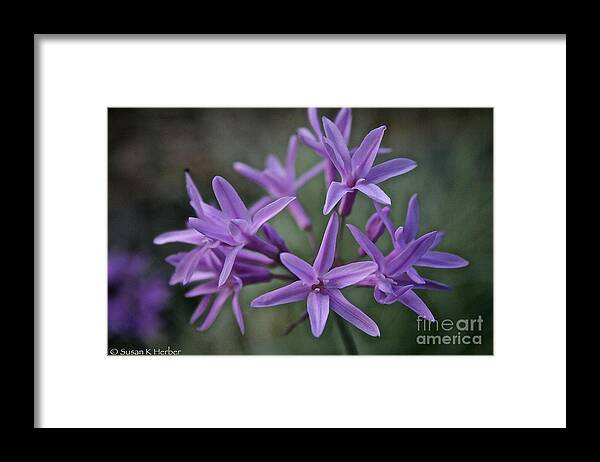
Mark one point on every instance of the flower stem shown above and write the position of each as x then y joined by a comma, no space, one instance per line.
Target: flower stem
339,239
346,335
295,324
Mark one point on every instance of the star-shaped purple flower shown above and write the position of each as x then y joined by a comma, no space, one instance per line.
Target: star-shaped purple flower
248,269
396,276
280,180
234,226
356,170
314,140
320,286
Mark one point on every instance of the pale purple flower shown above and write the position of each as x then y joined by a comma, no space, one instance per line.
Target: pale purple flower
396,276
403,236
356,170
320,286
188,265
314,139
234,227
136,298
246,270
280,180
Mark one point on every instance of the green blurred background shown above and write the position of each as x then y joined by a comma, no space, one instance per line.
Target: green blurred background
148,150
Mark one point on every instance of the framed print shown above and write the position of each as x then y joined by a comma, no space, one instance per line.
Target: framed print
253,231
243,231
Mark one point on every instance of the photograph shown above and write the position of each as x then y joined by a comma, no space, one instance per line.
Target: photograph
300,231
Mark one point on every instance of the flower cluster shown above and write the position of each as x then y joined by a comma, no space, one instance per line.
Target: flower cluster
234,246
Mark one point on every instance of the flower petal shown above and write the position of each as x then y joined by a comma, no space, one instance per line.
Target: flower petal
299,215
334,156
274,237
186,236
435,259
201,308
237,312
318,311
313,119
228,199
343,121
251,174
430,284
413,301
398,239
334,135
374,192
375,224
188,265
326,254
293,292
309,141
367,151
194,195
367,245
438,239
413,216
269,211
230,256
347,275
215,309
308,175
259,204
390,169
386,297
334,194
385,218
340,305
253,258
203,289
292,151
300,268
257,244
414,276
275,166
212,230
413,252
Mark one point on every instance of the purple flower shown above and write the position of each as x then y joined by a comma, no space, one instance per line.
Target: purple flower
396,276
246,270
403,236
320,286
356,170
280,180
136,299
234,227
314,139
